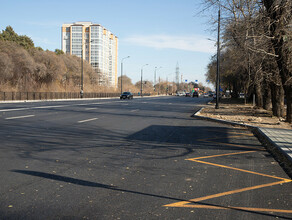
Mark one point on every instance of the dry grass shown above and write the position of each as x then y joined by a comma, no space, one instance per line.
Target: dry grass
236,111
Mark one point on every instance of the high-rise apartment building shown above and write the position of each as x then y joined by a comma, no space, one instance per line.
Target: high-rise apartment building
96,45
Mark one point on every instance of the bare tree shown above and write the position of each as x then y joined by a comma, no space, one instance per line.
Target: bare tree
279,13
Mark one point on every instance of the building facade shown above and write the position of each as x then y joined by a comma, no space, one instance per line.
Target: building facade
96,45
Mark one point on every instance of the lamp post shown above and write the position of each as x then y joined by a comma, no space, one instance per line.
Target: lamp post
218,60
155,76
122,73
81,89
142,78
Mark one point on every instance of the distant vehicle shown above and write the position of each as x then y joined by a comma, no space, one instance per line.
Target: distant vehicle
180,93
126,95
220,96
196,94
211,94
188,94
206,95
241,95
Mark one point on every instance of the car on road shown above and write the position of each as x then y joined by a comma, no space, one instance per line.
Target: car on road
180,94
188,94
126,95
196,94
206,95
241,95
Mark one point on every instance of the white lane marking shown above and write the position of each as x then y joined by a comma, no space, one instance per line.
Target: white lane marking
56,106
91,119
23,116
134,110
52,106
13,109
90,108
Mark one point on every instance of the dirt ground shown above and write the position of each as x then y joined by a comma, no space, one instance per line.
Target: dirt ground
236,111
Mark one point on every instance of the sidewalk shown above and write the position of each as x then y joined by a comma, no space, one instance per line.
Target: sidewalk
281,138
277,138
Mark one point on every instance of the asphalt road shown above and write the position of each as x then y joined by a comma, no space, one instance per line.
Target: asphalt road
133,159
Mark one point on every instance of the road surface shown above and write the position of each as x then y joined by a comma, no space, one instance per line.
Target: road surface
145,158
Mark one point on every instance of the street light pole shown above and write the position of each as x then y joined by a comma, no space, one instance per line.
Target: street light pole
81,89
218,65
142,78
122,73
155,76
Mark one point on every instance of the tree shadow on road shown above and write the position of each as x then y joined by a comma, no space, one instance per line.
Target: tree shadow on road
115,188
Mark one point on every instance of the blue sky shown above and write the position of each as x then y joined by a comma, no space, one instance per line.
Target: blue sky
154,32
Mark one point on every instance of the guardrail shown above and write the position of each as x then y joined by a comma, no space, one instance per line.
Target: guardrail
14,96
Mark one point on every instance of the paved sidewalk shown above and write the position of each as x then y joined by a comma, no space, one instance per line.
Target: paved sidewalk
282,138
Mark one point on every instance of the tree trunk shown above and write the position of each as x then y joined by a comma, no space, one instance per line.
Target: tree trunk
288,93
279,18
267,98
259,96
277,100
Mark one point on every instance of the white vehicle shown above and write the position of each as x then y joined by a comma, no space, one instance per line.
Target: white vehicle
241,95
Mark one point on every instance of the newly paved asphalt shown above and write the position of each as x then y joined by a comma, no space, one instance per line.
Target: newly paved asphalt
133,159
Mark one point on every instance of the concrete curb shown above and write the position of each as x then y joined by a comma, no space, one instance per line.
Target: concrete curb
278,153
196,115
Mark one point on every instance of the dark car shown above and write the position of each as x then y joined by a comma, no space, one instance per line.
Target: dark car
195,94
126,95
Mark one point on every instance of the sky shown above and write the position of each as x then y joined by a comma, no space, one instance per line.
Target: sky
160,33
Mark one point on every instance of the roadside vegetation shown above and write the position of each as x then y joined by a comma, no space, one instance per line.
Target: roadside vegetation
26,68
256,52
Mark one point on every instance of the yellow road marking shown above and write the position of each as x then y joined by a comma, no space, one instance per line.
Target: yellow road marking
233,168
221,155
188,203
231,207
180,204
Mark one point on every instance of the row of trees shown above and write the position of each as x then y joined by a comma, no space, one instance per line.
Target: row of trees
24,67
256,51
162,87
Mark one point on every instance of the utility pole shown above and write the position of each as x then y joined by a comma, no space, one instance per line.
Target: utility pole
218,65
177,75
122,73
142,78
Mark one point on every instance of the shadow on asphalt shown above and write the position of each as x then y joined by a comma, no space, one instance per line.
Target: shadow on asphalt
166,141
99,185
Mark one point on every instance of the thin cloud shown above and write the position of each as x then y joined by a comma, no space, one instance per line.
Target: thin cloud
42,41
48,24
194,43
